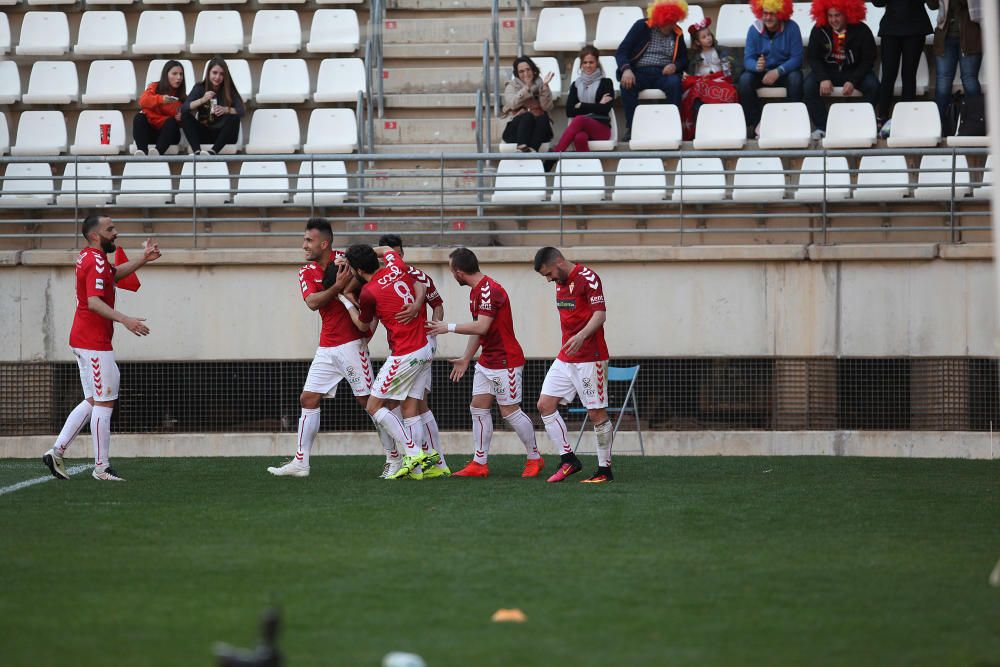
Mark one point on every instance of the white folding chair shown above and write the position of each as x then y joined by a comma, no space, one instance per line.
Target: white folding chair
629,405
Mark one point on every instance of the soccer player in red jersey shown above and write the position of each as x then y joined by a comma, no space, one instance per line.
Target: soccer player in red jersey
405,373
90,339
500,365
582,365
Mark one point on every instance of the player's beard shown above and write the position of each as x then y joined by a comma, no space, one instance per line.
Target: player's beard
108,245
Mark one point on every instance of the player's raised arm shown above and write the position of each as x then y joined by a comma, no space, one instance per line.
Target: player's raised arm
150,252
341,277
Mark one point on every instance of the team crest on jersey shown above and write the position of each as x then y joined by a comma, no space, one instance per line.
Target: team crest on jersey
571,286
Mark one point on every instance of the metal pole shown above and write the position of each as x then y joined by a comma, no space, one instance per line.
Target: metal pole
495,10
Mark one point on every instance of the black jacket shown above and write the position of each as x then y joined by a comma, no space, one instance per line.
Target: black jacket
199,90
860,48
595,109
903,18
635,43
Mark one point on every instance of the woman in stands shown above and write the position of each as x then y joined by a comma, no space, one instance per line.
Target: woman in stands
211,113
903,29
589,105
710,75
527,99
958,45
157,126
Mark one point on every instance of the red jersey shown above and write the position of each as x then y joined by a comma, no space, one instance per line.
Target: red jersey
388,292
577,300
95,276
338,327
500,347
431,298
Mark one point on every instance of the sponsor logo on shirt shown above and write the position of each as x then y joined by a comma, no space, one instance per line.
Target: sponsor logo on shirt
566,304
596,298
99,283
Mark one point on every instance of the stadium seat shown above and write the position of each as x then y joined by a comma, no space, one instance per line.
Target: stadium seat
211,179
934,180
4,135
4,34
610,143
110,82
281,2
239,70
985,189
734,21
548,64
129,2
608,66
156,67
27,185
88,133
334,31
44,34
340,80
102,34
720,126
274,131
695,15
882,186
331,131
10,82
262,184
92,189
784,125
218,32
957,141
276,31
656,127
815,181
613,24
214,2
640,181
145,183
40,133
283,81
339,2
700,179
36,3
160,32
629,404
923,78
915,124
52,82
850,125
519,182
330,183
560,29
758,179
228,149
578,181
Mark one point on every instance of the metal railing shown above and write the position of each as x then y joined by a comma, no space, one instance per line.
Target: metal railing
374,63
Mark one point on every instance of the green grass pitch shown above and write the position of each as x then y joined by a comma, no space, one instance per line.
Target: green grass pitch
682,561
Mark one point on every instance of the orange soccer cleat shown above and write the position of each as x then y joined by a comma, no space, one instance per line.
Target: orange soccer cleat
473,469
532,467
602,476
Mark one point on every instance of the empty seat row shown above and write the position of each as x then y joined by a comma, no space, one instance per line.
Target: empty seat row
40,3
564,28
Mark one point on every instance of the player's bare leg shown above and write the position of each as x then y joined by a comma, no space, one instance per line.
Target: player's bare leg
74,424
100,429
548,407
604,431
305,435
521,423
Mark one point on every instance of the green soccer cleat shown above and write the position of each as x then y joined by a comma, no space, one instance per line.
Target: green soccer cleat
435,471
410,465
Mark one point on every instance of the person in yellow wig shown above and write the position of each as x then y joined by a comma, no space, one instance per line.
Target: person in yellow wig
772,57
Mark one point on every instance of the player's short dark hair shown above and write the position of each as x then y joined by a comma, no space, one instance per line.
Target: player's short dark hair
90,222
361,257
321,225
465,260
546,257
391,241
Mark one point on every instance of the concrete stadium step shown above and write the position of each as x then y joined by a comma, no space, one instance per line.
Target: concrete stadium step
467,30
417,180
424,149
449,5
389,131
470,50
433,80
430,101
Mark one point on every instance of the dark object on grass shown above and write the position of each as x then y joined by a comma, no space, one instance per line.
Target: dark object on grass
265,655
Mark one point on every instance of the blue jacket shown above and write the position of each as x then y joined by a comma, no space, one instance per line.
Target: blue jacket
783,51
636,41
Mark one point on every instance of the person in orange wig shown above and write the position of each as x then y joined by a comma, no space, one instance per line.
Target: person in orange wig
772,57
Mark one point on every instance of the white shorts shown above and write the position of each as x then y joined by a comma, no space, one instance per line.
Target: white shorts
503,383
588,379
405,376
98,374
349,361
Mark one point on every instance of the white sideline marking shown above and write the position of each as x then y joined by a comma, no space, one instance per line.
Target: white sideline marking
38,480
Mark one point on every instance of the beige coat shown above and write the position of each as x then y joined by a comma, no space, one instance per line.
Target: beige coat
516,95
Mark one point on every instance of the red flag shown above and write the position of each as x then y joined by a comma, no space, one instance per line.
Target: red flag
130,282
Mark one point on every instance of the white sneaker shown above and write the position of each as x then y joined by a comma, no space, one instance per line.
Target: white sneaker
55,463
817,135
153,152
106,474
293,468
392,466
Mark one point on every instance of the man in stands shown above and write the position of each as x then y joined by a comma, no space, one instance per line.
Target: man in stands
841,53
582,365
653,56
90,339
499,369
772,57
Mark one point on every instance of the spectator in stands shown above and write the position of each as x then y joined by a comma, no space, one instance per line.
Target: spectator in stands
903,29
841,53
588,105
710,76
528,100
958,43
652,56
212,111
772,57
157,126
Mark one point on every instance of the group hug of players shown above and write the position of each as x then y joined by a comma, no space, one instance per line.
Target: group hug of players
354,290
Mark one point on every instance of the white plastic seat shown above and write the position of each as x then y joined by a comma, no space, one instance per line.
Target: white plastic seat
610,143
578,181
10,82
92,189
560,29
145,183
339,2
40,133
274,131
613,23
262,184
656,127
44,34
276,31
4,135
102,34
213,2
340,80
331,131
882,186
328,177
639,181
733,24
334,31
695,15
160,32
608,66
110,82
42,3
915,124
283,81
228,149
700,179
52,82
35,190
985,189
546,65
4,34
816,181
156,68
934,180
784,125
923,77
281,2
967,141
850,125
88,133
758,179
212,181
129,2
217,32
519,182
720,126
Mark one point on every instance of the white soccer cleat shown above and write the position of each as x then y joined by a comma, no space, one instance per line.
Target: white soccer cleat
293,468
392,466
106,474
55,463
